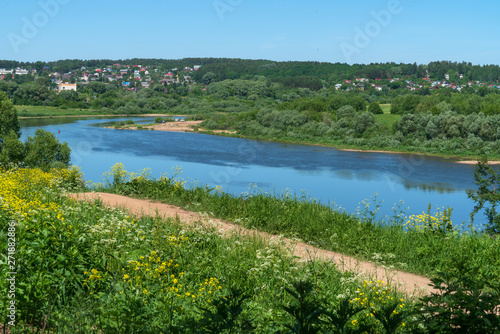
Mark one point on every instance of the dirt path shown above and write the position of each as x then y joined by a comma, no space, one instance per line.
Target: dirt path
410,283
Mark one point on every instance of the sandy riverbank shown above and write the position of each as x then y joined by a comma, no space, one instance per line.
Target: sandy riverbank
464,162
473,162
187,126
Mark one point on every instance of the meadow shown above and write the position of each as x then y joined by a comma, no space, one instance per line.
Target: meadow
80,266
424,243
84,267
47,111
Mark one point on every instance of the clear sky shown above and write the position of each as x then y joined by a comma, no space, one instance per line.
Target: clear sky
362,31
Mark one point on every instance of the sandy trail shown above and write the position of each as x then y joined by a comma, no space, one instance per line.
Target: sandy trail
409,283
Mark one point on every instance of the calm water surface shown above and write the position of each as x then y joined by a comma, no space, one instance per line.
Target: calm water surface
339,177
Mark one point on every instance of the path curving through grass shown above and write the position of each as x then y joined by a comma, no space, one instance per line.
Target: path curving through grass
410,283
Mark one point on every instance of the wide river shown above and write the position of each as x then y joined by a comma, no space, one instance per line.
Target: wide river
333,176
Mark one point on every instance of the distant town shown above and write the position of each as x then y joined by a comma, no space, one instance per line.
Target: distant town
131,77
135,77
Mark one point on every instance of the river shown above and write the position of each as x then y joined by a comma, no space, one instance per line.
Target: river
238,165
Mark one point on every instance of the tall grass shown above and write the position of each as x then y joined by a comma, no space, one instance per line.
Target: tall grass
87,268
82,267
423,244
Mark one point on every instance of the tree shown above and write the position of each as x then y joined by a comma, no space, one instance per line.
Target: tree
363,121
8,117
346,112
410,103
12,150
208,78
44,151
375,109
488,181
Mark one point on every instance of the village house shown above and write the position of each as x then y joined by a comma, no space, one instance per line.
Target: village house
22,71
66,86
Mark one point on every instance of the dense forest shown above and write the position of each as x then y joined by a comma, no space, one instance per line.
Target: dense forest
227,68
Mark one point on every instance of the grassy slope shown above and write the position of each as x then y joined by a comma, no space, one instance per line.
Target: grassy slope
409,245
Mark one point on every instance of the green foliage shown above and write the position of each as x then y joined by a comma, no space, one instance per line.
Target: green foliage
82,266
223,316
340,321
363,121
418,244
304,310
463,303
312,83
346,112
488,181
8,117
43,150
375,109
12,150
208,78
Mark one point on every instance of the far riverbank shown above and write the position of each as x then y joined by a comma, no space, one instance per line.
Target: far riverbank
194,126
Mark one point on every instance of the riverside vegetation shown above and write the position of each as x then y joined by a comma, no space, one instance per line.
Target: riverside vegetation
81,266
396,107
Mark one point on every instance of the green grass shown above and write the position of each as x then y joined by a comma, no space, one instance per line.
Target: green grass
83,267
386,108
407,244
41,111
387,120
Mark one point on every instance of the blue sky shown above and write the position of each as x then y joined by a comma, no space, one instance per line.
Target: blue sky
362,31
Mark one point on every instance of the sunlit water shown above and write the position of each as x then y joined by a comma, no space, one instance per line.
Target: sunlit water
327,174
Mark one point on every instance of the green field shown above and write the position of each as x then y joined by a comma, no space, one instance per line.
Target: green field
386,108
41,111
387,120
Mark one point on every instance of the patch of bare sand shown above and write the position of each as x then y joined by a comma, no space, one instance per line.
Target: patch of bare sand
474,162
187,126
409,283
169,126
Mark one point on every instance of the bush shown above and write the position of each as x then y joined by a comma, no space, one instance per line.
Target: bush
374,108
461,304
12,150
8,117
345,112
488,181
44,149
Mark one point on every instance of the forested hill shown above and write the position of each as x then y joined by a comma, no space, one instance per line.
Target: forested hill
225,68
